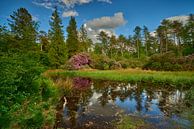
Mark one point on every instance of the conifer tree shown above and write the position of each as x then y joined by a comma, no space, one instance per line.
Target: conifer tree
57,50
24,29
137,38
73,46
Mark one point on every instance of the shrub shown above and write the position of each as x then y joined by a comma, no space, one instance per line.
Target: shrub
79,61
23,91
100,62
156,65
169,62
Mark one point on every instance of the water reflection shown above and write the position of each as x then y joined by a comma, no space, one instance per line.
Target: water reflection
96,103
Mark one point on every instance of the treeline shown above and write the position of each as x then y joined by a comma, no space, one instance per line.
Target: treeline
170,36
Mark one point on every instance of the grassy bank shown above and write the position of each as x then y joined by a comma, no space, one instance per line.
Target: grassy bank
136,75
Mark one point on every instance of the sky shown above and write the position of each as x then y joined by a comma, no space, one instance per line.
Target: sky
112,16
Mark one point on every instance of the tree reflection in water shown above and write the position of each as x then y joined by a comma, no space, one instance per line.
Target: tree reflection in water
145,100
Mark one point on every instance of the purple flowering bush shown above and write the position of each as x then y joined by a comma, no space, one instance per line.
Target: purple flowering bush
79,61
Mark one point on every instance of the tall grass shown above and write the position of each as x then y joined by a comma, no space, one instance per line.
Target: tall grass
136,75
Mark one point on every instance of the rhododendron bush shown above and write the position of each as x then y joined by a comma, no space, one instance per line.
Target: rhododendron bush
79,61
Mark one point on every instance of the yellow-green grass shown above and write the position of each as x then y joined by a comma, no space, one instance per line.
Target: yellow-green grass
136,75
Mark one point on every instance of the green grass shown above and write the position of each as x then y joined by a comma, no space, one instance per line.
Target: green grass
136,75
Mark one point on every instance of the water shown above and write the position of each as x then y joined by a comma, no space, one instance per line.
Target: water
98,104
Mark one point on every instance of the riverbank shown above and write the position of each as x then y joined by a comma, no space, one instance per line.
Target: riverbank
136,75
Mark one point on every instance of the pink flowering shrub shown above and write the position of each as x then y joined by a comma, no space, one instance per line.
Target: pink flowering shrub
79,61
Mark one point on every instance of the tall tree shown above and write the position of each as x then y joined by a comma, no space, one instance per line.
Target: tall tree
85,42
160,35
104,38
166,25
146,39
44,41
137,38
177,30
122,42
72,38
24,28
188,36
57,50
113,42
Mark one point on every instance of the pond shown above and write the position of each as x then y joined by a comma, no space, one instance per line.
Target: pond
99,104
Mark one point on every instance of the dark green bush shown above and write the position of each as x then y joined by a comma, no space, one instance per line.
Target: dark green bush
23,90
169,62
156,65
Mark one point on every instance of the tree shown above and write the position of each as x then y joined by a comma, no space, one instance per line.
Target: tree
104,38
165,28
72,38
24,28
57,50
122,41
44,41
85,42
188,36
137,38
113,42
161,37
177,30
146,39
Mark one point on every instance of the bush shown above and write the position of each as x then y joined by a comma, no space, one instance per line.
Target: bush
169,62
103,62
79,61
23,91
156,65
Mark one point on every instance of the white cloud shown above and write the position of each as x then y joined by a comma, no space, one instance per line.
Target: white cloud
70,13
107,1
65,6
34,18
47,4
106,24
72,3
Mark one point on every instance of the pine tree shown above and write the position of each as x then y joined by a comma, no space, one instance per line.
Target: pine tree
104,39
137,38
161,38
113,43
24,28
166,25
122,41
44,41
146,40
85,42
73,46
57,50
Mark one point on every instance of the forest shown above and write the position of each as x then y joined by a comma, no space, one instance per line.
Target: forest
31,60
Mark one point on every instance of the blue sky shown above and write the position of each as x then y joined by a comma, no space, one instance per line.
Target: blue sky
130,12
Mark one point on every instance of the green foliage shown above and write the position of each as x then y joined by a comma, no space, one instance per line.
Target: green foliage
72,38
57,50
23,91
24,29
103,62
85,42
169,62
